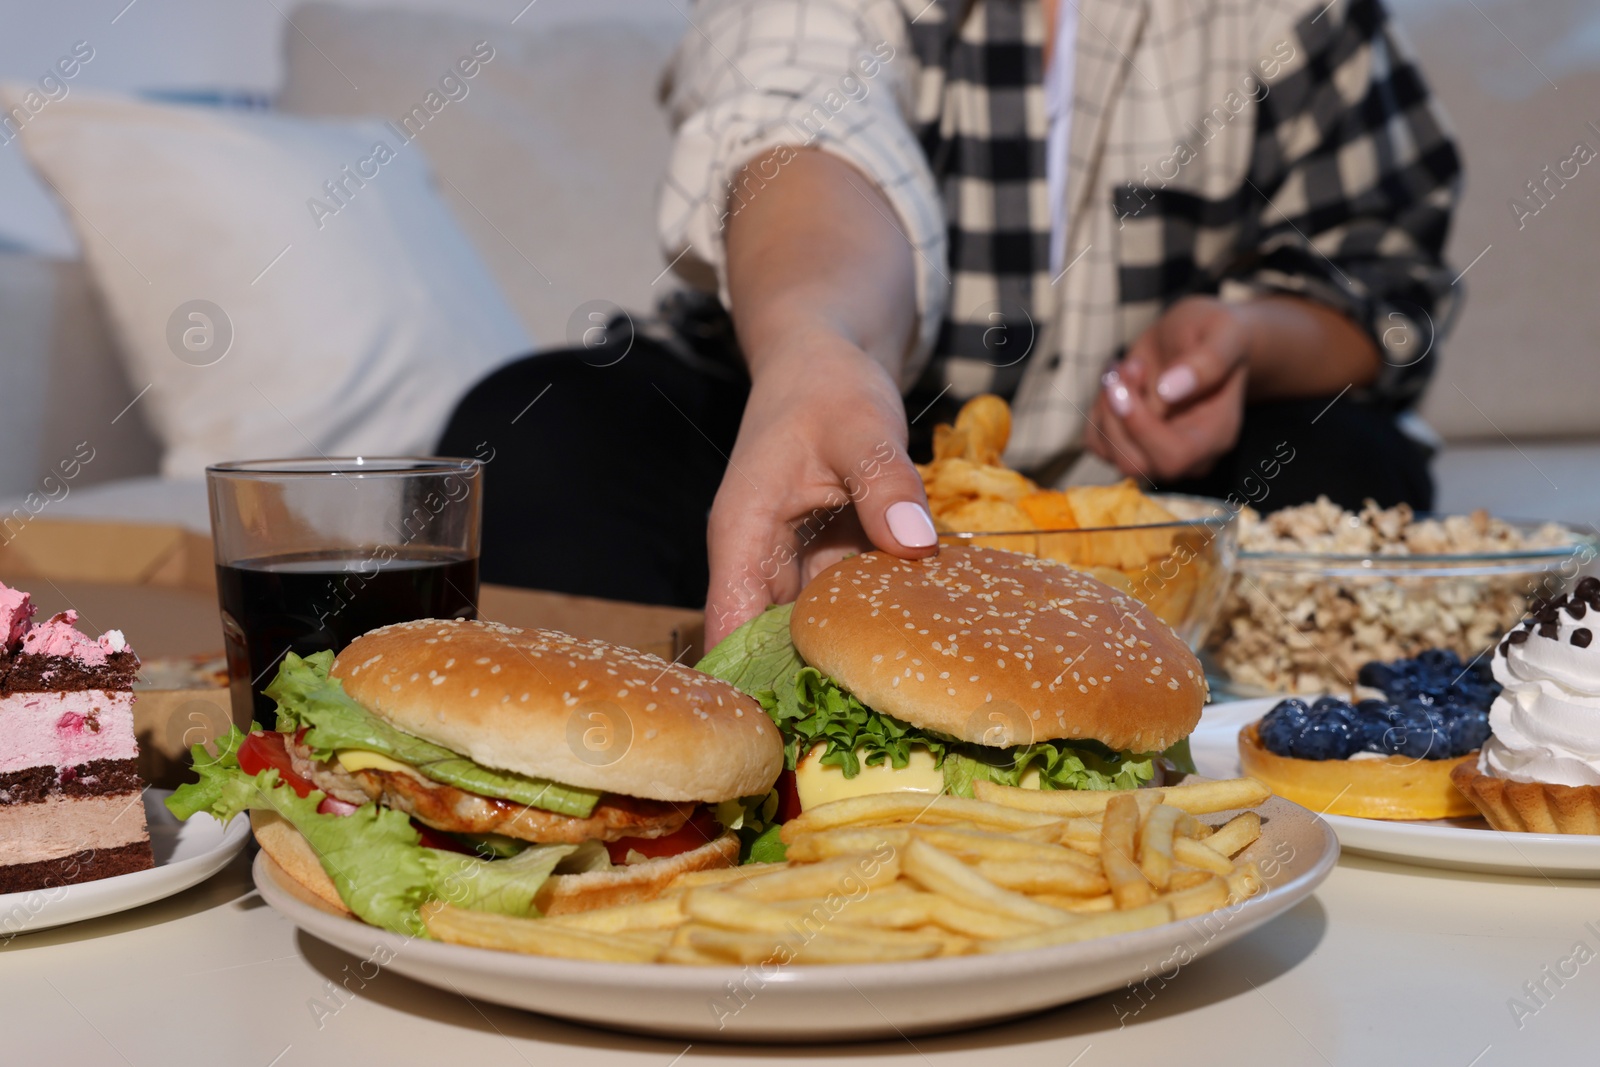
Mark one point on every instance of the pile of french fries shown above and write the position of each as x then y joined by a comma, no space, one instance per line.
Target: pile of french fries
901,876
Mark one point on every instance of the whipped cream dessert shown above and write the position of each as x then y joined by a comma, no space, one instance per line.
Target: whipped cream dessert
1546,721
70,790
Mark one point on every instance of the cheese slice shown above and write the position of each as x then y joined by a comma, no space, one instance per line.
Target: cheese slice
817,783
360,759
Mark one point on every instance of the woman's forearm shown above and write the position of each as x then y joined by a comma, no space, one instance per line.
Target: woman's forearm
1297,347
814,249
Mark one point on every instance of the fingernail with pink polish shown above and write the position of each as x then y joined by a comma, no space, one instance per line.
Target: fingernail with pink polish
1116,392
911,525
1176,384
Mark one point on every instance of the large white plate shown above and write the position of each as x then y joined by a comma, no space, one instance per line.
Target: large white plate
1460,844
797,1002
186,854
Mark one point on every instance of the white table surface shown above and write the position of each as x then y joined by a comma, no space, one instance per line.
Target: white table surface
1384,964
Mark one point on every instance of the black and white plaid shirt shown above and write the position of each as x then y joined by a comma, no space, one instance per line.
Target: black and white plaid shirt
1232,147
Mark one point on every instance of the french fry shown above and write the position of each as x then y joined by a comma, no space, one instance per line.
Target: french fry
845,874
1087,927
1117,834
1187,878
1201,855
1244,881
895,911
740,946
1198,798
1237,834
539,937
1081,835
975,922
1203,798
799,919
977,845
1208,895
1045,833
1033,877
950,944
888,808
1155,844
659,914
687,954
828,844
942,873
1069,803
1078,905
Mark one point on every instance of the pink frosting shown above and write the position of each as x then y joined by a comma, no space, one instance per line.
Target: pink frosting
59,729
15,613
59,637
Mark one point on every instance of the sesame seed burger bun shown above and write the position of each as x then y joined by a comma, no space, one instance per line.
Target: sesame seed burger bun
583,713
999,649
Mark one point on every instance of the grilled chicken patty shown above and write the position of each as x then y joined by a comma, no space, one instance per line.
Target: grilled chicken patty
444,807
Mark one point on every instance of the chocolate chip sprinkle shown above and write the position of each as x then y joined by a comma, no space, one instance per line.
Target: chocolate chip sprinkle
1577,609
1589,588
1549,629
1581,637
1518,637
1505,646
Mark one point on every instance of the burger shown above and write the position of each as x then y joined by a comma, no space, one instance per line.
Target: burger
976,664
519,771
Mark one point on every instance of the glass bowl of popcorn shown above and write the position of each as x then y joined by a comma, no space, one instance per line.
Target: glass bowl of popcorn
1319,591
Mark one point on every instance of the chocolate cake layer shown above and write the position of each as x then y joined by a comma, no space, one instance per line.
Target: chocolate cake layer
33,673
89,865
95,778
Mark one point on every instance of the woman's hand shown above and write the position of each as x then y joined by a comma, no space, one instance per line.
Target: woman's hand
819,471
1175,402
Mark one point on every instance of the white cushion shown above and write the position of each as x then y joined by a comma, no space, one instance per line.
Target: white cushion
550,153
352,332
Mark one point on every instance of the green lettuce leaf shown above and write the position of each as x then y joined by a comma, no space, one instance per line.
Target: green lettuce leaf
504,886
374,856
757,656
766,848
1181,757
308,697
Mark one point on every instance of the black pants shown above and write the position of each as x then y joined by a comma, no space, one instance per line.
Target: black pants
602,464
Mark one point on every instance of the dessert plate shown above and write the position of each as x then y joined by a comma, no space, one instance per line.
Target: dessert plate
827,1002
1458,844
186,853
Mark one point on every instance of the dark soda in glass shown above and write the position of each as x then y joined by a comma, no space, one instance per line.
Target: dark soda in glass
307,603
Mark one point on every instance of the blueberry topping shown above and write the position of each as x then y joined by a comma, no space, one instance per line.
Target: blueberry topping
1434,707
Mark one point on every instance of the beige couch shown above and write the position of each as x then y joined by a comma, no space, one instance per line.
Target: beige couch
551,167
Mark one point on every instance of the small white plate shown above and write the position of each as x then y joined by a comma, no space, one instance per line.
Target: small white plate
1459,844
186,854
827,1003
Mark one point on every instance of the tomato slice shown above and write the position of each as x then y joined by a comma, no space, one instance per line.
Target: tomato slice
438,839
701,828
263,750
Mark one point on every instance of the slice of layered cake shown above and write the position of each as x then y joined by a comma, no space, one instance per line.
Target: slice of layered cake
71,801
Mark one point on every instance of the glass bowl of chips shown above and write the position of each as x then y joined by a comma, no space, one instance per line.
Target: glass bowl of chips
1174,553
1180,567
